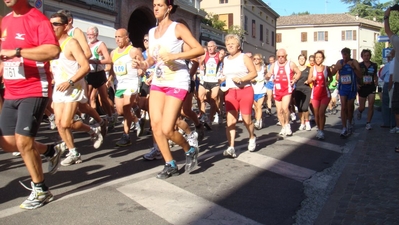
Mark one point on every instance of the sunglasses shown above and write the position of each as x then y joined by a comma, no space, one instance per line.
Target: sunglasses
145,40
256,58
57,24
280,56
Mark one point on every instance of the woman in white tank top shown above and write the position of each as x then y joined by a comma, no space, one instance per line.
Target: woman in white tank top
170,82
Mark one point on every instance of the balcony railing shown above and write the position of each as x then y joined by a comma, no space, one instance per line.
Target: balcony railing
107,4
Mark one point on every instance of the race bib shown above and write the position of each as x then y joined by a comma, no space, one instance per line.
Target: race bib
345,79
367,79
211,69
14,69
120,69
277,86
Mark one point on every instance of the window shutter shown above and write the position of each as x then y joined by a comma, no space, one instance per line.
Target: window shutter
304,37
315,36
354,35
326,35
230,20
343,35
354,55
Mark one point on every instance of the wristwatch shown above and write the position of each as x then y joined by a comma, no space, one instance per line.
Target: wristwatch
71,82
18,52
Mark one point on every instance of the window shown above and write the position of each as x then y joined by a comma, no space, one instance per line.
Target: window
279,38
321,36
223,1
305,53
273,38
253,29
261,32
304,36
348,35
267,36
354,54
246,24
227,19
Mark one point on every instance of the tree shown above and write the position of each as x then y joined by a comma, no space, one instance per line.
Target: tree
301,13
213,21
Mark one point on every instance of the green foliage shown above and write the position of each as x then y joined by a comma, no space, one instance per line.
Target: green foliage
212,20
301,13
236,30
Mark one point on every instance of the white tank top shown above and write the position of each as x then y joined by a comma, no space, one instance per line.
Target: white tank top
235,68
63,69
259,85
174,74
95,55
126,75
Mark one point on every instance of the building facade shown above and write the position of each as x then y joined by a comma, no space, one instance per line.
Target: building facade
134,15
330,33
254,17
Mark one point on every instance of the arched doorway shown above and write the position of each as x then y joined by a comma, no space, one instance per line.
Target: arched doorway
140,22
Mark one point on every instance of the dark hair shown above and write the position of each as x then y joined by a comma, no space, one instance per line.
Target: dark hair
365,51
64,18
346,51
67,13
304,56
322,54
272,56
174,7
311,56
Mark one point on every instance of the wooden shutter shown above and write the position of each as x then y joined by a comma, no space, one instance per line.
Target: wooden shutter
305,53
343,35
279,37
326,35
354,55
304,37
230,20
354,35
315,36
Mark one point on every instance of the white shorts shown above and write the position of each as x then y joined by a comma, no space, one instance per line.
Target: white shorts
76,93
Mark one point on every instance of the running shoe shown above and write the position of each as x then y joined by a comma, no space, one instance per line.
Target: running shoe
191,158
54,162
124,141
153,154
71,159
168,171
230,151
252,144
37,198
368,126
96,137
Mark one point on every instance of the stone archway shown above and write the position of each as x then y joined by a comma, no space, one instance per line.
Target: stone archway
141,21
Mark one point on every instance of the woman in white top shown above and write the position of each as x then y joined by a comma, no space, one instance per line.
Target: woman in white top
170,82
258,85
238,71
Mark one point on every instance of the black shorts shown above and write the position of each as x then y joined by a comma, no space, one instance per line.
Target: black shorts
366,90
209,85
22,116
144,90
192,86
395,98
96,79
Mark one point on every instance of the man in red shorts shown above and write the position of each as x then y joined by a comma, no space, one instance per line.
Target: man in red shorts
286,73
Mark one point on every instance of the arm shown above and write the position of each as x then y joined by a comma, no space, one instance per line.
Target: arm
81,38
102,50
42,53
356,68
386,23
336,68
297,74
269,72
310,76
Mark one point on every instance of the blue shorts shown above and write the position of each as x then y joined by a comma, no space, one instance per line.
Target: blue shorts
269,85
347,92
258,96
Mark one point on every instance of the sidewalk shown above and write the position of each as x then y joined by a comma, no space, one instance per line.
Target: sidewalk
367,192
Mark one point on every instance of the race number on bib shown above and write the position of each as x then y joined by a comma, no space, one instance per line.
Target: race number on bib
120,69
367,79
14,70
345,79
277,86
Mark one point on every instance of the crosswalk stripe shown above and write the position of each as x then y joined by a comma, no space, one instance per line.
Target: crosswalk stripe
316,143
178,206
276,166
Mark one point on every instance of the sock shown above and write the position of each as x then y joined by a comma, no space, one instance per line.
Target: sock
172,163
50,151
73,151
40,185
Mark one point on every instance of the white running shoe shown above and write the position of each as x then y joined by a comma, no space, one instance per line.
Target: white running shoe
230,152
252,144
301,127
96,137
288,130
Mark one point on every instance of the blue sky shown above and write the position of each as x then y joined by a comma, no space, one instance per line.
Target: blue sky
287,7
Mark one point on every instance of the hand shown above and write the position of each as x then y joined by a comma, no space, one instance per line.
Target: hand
236,80
63,86
7,54
167,57
136,63
148,81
